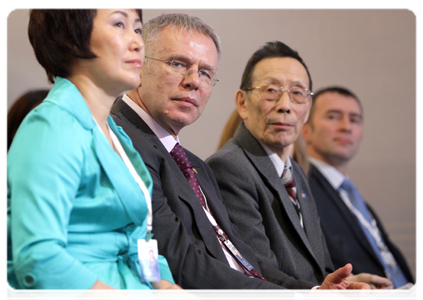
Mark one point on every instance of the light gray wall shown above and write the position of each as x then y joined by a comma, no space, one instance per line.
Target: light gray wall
372,52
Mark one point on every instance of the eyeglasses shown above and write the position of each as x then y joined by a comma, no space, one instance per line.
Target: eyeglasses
181,68
273,92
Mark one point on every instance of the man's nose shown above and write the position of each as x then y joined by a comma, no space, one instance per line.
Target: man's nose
283,104
346,124
192,79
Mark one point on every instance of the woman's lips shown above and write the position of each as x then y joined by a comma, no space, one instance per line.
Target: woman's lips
136,62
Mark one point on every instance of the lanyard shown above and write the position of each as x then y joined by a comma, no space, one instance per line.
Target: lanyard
137,178
224,239
374,231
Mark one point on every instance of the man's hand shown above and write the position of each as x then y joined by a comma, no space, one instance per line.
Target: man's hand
165,285
336,280
375,281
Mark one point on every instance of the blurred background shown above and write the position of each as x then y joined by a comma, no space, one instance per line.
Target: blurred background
371,52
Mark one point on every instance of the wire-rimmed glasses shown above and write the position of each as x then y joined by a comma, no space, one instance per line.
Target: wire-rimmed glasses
181,68
273,92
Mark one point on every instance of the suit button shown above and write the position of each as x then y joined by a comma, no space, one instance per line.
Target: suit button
29,281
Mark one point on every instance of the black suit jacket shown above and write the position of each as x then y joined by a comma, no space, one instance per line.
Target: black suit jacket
182,229
259,205
345,239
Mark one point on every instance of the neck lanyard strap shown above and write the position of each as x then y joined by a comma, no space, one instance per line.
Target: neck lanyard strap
137,178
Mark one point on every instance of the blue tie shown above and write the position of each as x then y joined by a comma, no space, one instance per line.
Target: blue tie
393,272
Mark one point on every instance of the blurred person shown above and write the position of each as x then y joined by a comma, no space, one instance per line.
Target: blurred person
266,193
22,106
191,224
79,195
353,231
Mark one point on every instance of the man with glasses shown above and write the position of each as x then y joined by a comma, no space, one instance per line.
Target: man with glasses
190,222
265,192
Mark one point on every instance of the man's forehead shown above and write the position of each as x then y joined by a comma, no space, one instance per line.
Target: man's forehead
186,45
280,70
331,101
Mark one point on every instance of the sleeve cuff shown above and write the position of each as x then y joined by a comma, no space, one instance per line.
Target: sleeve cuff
165,272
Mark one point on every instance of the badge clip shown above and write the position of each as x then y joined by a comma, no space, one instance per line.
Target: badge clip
149,236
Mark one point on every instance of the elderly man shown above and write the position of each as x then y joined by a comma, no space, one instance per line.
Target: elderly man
190,222
352,229
266,193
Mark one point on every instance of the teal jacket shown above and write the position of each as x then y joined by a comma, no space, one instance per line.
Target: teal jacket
76,212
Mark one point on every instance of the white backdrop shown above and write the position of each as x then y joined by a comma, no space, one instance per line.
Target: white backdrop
372,52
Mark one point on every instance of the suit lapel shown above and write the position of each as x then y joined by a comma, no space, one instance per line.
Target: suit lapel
123,182
204,226
260,160
339,204
304,197
182,187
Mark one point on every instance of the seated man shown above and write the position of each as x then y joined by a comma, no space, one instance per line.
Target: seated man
191,224
266,193
333,134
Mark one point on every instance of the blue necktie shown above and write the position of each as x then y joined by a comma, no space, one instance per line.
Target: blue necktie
393,271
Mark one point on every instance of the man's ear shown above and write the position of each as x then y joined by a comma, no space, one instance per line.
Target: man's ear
306,132
240,102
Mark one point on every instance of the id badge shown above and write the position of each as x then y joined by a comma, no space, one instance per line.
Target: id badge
238,255
148,258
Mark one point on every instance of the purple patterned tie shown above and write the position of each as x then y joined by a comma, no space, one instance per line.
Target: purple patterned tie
181,159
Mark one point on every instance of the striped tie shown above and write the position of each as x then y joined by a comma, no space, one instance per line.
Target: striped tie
291,188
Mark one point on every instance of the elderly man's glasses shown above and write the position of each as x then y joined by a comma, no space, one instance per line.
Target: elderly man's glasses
274,92
182,68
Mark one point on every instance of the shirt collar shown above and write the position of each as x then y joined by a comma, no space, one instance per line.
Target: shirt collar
276,160
164,136
334,177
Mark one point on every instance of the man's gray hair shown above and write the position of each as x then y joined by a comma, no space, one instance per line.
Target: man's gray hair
184,22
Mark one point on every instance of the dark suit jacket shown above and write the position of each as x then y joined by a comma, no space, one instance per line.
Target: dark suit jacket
259,206
345,239
184,233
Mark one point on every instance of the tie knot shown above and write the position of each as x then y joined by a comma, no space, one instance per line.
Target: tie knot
348,186
286,177
180,157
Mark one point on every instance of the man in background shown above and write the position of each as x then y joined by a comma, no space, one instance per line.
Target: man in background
352,229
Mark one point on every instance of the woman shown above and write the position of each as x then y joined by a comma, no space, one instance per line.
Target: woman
78,192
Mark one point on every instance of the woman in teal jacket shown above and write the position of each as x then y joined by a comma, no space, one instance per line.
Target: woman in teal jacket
76,211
